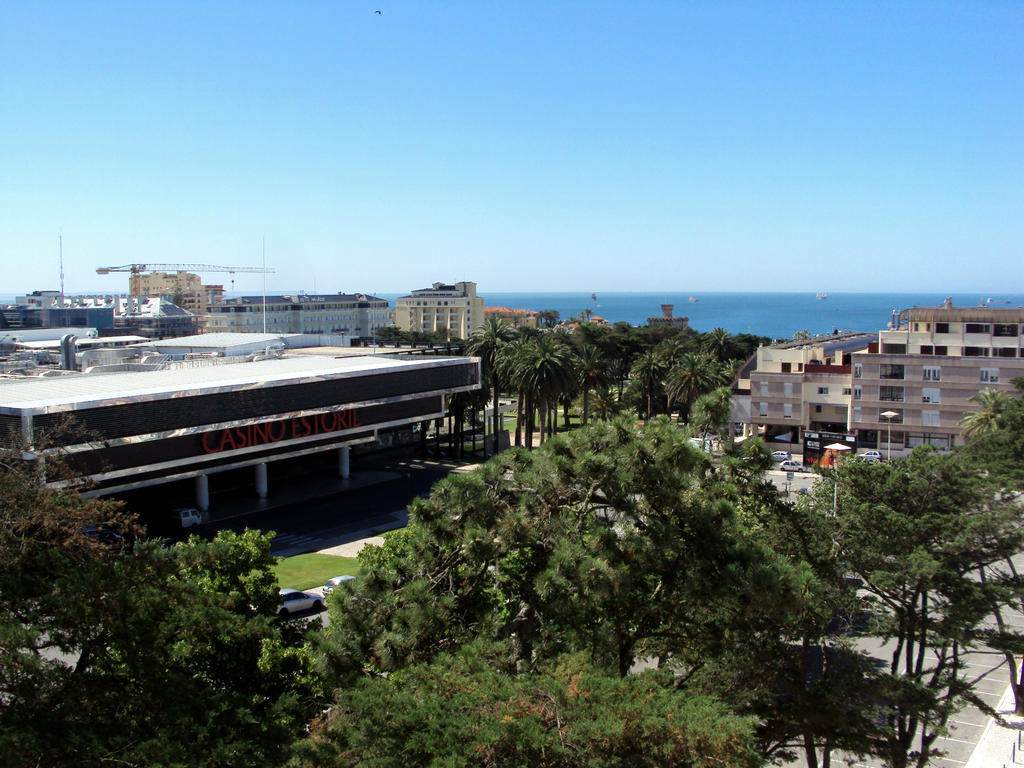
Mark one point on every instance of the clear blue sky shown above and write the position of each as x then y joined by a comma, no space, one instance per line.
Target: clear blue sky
592,146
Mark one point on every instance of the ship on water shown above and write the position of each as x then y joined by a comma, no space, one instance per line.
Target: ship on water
821,296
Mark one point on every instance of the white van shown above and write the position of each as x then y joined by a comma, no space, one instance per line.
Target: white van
188,516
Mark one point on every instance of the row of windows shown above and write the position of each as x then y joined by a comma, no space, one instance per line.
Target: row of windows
928,372
942,351
996,329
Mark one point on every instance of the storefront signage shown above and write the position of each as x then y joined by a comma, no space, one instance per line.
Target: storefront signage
268,432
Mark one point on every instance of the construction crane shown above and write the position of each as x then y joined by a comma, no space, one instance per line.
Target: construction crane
135,270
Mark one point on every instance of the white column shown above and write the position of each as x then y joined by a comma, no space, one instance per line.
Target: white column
261,481
203,493
343,462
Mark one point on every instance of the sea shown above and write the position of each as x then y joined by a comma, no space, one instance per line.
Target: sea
776,315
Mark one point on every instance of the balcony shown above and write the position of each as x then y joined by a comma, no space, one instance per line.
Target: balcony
822,368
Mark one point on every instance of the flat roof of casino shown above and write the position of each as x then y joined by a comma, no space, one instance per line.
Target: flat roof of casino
72,392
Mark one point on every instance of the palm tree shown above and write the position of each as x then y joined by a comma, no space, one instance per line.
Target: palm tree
992,403
486,343
548,371
606,404
711,411
691,378
719,342
647,372
510,366
592,369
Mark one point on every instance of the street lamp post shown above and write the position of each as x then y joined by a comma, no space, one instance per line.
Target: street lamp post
888,416
837,449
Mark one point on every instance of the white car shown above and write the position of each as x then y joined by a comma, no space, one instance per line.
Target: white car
871,456
780,455
294,601
791,466
334,582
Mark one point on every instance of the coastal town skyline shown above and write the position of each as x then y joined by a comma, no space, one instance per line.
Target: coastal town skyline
736,147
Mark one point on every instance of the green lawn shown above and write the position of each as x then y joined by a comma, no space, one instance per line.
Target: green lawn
313,569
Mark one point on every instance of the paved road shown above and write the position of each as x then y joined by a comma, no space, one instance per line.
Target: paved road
309,525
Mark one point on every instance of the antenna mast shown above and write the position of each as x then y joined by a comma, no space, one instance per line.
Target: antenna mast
60,248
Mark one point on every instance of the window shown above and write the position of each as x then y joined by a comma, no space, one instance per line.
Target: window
989,375
890,371
858,370
822,390
856,413
894,349
931,373
927,349
787,367
941,351
897,419
929,418
787,388
976,351
930,396
857,392
942,327
787,410
1001,329
762,409
846,390
764,388
1006,351
977,328
890,394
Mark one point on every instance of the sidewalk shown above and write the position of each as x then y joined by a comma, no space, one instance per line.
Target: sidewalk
998,743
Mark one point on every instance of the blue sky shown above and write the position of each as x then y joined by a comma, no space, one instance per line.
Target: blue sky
588,146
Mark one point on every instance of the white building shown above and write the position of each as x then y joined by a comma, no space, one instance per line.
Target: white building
350,315
454,309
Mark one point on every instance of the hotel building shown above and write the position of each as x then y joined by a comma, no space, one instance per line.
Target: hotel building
452,309
350,315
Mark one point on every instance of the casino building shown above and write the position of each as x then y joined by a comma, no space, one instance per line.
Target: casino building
127,431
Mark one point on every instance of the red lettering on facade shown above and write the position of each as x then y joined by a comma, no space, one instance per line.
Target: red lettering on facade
275,431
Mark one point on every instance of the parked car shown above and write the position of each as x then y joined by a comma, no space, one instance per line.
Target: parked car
334,582
188,516
294,601
791,466
871,456
780,455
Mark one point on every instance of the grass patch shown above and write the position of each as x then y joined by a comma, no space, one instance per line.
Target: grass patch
313,569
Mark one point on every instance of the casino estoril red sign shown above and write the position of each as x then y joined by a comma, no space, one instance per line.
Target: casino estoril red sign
267,432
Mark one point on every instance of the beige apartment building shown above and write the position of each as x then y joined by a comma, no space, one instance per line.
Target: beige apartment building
905,386
455,309
923,372
802,385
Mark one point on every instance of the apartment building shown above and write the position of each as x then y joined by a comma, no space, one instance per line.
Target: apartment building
452,309
801,387
513,318
907,385
913,385
353,315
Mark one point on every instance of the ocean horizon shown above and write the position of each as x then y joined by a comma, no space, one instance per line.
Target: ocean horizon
773,314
